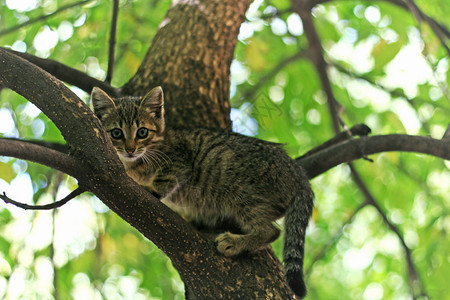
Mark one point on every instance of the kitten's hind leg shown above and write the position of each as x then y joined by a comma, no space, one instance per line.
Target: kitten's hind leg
256,235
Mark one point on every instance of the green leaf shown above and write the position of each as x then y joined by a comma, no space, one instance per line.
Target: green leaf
6,172
5,216
383,52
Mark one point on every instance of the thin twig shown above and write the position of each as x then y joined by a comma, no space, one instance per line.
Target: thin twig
303,9
78,191
112,41
43,17
415,282
278,13
319,255
249,94
439,29
447,134
420,16
397,93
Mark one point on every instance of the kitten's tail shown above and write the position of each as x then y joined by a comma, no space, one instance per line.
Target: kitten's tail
296,221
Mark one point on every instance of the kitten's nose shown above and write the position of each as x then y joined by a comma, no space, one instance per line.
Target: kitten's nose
130,151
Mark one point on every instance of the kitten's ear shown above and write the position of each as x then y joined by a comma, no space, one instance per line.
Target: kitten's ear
154,98
153,102
103,104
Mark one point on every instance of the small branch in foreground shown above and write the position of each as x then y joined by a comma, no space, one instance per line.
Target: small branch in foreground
78,191
278,13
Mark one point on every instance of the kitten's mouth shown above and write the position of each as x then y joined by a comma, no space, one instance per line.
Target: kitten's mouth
129,156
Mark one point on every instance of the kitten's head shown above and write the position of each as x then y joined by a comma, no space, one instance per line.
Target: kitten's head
135,124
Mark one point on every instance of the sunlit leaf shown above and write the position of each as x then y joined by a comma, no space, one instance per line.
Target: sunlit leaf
384,52
7,172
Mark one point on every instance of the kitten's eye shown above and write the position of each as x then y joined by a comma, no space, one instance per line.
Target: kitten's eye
142,133
116,133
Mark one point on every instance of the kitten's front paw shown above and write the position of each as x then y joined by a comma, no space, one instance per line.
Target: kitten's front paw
228,244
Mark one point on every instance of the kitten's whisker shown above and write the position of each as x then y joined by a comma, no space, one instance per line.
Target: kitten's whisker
163,156
157,158
153,159
149,161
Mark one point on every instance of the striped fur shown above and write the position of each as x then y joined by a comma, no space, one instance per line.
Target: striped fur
213,177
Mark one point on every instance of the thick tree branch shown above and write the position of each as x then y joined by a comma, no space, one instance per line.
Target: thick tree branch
42,155
78,191
249,94
67,74
352,149
105,175
55,146
74,119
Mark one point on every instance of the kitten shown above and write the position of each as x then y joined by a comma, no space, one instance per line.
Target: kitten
213,177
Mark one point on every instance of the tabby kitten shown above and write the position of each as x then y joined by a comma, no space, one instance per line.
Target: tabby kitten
213,177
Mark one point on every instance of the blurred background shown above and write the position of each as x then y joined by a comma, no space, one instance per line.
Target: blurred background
387,69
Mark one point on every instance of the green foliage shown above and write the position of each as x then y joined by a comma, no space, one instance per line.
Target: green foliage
367,44
386,70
